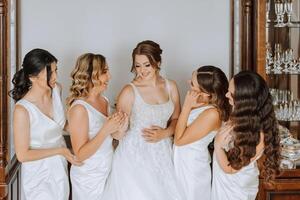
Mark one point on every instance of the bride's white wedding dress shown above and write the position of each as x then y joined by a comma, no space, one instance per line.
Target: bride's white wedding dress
143,170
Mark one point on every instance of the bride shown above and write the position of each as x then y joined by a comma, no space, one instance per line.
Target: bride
142,164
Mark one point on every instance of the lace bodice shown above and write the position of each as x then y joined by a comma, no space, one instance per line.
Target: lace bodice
144,115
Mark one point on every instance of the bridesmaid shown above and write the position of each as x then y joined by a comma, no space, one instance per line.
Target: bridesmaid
90,127
251,132
204,109
38,126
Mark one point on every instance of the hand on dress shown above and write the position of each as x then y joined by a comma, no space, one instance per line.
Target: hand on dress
114,123
191,99
122,128
70,157
154,134
224,138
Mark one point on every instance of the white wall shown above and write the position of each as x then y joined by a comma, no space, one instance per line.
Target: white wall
191,33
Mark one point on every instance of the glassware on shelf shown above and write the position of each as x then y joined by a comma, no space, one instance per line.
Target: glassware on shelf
286,163
290,148
281,61
284,132
288,7
279,11
286,107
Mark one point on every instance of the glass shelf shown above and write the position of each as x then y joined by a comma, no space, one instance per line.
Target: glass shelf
283,52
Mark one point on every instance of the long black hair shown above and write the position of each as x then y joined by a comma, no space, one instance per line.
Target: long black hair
33,63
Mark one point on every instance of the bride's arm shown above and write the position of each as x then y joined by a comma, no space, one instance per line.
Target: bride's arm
124,104
176,100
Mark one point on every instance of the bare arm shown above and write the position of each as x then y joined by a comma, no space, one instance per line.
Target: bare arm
21,126
124,104
221,139
176,100
79,129
206,122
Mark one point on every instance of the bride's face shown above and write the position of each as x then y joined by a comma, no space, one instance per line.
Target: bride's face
143,67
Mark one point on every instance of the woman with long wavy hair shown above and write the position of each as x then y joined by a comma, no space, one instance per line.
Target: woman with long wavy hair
38,125
251,133
91,128
204,109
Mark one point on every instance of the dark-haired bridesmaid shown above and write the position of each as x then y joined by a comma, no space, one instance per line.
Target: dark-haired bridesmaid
204,109
38,126
252,132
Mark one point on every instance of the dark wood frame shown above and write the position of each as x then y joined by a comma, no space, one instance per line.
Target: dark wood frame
252,34
9,168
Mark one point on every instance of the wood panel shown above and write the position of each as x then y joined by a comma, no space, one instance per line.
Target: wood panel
247,35
9,168
260,37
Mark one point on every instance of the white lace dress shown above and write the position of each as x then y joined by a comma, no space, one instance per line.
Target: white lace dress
192,163
142,170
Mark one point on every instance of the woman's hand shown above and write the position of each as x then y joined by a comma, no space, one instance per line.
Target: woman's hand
191,100
70,157
122,128
224,138
114,123
154,134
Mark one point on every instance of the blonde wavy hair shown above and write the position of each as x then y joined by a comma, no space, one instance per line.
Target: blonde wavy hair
85,75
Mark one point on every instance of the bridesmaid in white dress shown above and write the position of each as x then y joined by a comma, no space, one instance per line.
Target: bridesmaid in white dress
142,164
38,126
90,127
204,109
253,129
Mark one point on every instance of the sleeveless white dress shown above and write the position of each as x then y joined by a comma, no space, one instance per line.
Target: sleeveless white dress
242,185
46,178
192,163
143,170
89,179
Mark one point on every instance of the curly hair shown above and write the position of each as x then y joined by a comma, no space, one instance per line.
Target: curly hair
252,114
213,81
85,75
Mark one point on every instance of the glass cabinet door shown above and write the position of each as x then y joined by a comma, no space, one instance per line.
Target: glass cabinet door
283,60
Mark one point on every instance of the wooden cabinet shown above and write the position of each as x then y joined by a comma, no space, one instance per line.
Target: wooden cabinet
285,187
260,30
9,166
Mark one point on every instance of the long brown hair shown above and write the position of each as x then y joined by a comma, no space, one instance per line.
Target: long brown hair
213,81
253,113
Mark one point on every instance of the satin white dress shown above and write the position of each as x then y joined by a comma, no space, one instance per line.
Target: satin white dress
47,178
143,170
242,185
192,163
88,180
